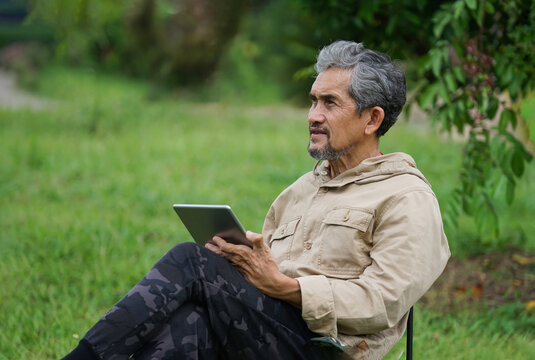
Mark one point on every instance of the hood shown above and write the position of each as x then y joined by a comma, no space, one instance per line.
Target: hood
370,170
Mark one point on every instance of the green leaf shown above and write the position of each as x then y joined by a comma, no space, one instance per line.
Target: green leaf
496,149
510,192
443,19
459,123
493,107
507,75
506,117
436,62
480,212
490,8
454,204
427,95
458,7
514,88
450,82
443,118
461,105
484,100
513,121
518,145
451,113
472,4
443,92
459,75
423,64
517,164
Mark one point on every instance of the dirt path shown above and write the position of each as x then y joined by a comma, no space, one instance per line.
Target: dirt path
488,280
13,97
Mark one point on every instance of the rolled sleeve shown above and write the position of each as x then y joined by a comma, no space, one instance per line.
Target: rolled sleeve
318,308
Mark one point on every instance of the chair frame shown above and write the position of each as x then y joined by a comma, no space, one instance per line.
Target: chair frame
409,334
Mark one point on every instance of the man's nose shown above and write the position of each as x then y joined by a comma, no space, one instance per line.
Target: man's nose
315,114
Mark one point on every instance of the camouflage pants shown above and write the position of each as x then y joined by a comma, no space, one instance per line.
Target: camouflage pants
193,304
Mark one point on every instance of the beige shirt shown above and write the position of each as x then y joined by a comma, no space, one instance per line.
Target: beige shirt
364,246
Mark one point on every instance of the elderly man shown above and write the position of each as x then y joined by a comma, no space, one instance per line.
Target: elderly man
344,253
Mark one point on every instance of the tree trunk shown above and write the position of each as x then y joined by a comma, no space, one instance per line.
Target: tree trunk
185,38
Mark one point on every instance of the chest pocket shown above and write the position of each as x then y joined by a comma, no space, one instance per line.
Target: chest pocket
345,238
281,240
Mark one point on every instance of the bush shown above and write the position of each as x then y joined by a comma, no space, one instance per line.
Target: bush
174,41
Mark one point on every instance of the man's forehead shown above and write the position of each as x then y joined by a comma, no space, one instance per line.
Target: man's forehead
332,79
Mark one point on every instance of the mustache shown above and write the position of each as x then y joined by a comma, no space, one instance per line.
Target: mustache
317,127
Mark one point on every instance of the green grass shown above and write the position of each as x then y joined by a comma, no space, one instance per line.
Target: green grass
86,189
465,337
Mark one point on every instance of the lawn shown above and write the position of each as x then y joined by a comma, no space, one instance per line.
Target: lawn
87,185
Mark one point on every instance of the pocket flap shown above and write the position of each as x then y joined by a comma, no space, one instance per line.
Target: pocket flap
285,230
359,219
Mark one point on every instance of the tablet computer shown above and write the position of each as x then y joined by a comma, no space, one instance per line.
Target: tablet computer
206,221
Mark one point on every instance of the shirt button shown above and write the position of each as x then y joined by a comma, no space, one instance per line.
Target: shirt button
308,246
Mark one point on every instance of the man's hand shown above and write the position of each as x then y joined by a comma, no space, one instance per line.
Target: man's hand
259,268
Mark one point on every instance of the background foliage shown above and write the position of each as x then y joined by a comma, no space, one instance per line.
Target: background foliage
84,183
173,41
13,29
471,66
87,185
476,74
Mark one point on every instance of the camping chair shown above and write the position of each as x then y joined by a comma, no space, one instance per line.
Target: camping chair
326,343
409,335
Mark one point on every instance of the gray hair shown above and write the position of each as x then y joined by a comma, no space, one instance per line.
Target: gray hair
376,79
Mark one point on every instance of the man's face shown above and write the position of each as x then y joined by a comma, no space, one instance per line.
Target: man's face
335,126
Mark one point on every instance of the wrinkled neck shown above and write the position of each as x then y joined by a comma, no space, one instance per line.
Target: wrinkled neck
353,158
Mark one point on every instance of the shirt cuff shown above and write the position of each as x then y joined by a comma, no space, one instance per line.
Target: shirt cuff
318,305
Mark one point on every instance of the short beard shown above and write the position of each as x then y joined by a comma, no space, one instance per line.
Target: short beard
328,152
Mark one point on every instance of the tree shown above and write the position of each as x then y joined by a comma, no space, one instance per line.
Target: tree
185,38
176,41
475,62
477,72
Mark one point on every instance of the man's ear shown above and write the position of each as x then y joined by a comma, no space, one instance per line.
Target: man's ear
377,114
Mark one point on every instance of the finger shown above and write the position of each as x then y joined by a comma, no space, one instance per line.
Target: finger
227,247
221,243
234,259
256,239
219,246
213,247
218,240
224,249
